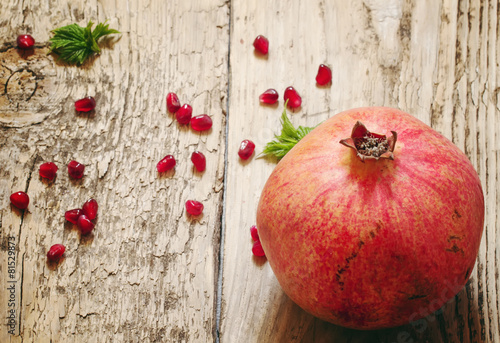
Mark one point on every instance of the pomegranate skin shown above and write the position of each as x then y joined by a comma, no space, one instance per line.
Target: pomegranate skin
376,244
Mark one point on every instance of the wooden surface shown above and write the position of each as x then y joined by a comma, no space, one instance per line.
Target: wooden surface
149,272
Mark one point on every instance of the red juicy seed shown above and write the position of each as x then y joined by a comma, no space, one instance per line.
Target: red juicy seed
201,123
261,44
257,249
254,233
324,75
246,149
294,99
194,208
72,215
199,161
173,103
90,208
25,42
269,97
166,164
48,170
20,199
85,225
85,105
55,252
183,114
75,169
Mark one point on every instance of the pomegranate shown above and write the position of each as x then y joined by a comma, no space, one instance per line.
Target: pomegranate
377,231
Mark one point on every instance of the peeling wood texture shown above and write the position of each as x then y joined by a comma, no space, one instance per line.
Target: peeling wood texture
151,273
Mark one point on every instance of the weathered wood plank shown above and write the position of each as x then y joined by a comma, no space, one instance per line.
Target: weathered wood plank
438,61
149,272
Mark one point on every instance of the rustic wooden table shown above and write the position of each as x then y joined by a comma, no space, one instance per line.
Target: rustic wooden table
150,273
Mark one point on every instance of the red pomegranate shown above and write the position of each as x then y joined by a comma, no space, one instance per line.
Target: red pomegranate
375,232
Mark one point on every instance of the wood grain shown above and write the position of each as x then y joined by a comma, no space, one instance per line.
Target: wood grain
150,273
438,61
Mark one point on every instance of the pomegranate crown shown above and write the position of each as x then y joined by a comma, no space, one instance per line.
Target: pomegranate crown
369,145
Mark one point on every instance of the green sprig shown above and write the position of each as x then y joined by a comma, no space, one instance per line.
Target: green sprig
288,138
74,44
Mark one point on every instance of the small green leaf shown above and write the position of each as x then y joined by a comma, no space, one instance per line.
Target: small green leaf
74,44
288,138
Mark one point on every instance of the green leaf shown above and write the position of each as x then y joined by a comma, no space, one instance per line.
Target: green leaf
75,44
288,138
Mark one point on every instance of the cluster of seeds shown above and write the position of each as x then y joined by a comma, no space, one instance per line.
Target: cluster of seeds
183,115
83,217
270,97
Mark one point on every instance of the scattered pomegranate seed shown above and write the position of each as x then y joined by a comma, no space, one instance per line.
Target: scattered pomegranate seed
20,199
90,208
25,42
201,123
294,99
269,97
75,169
324,75
194,208
55,252
261,44
183,114
254,233
199,161
85,225
246,149
48,170
257,249
72,215
167,163
173,103
85,105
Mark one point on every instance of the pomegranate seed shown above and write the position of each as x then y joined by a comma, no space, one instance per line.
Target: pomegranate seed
55,252
72,215
167,163
25,42
48,170
254,233
257,249
194,208
294,99
20,199
183,114
85,105
173,103
199,161
261,44
246,149
269,97
324,75
90,208
201,123
75,169
85,225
